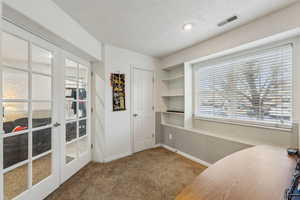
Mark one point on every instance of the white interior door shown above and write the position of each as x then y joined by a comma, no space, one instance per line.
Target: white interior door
76,143
29,143
143,110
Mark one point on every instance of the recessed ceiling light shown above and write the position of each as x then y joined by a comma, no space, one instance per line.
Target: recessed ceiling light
187,27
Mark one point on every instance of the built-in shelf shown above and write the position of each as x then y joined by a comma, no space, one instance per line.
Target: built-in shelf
171,67
171,125
173,95
173,78
174,113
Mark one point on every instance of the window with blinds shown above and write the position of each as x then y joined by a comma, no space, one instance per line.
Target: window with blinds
253,88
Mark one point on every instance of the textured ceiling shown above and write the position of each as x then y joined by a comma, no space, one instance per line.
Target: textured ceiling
154,27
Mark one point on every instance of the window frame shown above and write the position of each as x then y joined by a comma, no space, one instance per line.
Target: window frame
252,123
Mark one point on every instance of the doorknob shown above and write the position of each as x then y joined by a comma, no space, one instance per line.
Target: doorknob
56,124
135,115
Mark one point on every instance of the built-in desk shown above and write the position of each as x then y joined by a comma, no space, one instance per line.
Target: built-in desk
258,173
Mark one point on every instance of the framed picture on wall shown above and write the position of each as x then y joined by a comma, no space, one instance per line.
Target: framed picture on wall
118,92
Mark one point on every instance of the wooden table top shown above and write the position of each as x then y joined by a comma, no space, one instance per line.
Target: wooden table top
257,173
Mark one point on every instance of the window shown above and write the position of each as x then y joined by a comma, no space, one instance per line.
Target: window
253,88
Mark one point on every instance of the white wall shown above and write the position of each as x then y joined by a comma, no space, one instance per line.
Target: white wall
49,16
117,124
98,116
280,21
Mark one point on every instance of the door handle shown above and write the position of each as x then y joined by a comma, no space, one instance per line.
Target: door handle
56,124
135,115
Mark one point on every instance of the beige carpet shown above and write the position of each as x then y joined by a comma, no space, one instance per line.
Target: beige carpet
155,174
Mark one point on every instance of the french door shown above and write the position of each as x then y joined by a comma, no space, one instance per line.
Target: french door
76,143
44,115
28,139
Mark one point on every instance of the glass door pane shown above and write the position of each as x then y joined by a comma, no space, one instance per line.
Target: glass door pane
15,116
14,51
14,83
41,60
41,168
71,152
15,150
15,182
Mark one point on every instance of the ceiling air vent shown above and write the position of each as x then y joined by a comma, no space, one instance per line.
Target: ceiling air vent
230,19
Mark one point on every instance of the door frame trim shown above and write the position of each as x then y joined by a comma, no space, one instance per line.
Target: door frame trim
132,68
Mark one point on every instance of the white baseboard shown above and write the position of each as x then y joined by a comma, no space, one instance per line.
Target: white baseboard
157,145
169,148
116,157
119,156
188,156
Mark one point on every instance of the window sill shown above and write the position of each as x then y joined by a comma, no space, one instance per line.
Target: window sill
245,123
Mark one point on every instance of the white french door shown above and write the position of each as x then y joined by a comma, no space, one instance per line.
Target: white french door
29,139
44,115
76,143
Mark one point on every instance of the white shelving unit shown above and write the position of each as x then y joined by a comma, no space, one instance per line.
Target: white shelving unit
174,113
174,78
173,95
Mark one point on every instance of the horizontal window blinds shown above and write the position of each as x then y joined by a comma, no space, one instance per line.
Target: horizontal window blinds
256,87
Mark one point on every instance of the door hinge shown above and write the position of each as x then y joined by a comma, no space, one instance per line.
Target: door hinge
152,107
92,74
153,79
92,146
92,109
